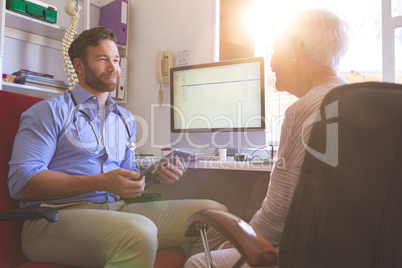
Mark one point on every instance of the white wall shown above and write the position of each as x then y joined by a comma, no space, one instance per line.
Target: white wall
155,25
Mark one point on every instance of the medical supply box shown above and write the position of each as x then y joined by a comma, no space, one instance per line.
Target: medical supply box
34,9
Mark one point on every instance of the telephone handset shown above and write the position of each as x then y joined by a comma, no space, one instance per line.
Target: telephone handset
163,63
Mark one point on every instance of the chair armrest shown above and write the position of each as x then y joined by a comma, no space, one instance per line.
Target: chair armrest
49,214
254,248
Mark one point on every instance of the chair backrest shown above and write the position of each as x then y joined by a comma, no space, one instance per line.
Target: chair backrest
346,211
11,107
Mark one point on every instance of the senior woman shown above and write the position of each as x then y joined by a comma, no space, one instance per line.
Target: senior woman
305,62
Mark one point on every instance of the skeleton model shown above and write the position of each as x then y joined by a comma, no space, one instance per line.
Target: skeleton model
73,9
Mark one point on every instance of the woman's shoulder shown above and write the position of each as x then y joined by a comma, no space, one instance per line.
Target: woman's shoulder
310,102
320,91
316,94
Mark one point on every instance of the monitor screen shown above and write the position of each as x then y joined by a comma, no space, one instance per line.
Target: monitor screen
222,102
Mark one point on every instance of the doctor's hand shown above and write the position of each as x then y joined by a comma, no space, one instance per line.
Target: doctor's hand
170,171
123,182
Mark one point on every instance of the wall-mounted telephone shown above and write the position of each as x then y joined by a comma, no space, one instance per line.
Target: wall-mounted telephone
163,63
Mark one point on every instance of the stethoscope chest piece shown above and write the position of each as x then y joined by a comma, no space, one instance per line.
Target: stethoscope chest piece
131,145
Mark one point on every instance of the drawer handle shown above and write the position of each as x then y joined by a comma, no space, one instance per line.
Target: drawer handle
34,14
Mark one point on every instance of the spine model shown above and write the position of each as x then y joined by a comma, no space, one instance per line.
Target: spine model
73,9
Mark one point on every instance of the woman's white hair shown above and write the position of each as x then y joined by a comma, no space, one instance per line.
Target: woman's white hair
324,35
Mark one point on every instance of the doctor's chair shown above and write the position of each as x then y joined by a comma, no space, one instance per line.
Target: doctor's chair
346,210
11,217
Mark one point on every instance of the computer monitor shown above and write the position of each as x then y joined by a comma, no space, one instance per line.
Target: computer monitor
218,105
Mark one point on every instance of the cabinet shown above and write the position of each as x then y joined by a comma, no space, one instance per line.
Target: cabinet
27,42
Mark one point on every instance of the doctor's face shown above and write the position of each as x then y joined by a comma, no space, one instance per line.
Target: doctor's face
102,68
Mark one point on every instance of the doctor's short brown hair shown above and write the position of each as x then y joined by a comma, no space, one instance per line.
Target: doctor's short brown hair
90,37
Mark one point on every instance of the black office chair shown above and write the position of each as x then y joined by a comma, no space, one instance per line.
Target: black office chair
346,211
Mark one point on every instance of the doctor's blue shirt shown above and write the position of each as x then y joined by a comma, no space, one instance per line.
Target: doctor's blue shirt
48,140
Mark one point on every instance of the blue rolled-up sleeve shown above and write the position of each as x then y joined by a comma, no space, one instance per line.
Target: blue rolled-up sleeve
34,146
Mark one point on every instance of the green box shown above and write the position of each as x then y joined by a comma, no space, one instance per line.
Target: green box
34,9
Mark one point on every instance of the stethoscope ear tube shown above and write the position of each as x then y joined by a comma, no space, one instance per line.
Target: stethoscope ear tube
96,136
130,144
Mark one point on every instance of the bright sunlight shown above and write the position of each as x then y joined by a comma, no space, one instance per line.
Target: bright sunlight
363,61
265,19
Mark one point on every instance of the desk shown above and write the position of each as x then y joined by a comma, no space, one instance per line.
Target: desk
240,186
231,165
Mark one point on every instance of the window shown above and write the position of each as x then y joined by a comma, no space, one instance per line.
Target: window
392,41
396,8
375,53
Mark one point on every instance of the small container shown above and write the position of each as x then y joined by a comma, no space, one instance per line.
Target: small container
222,154
9,78
35,9
165,151
241,157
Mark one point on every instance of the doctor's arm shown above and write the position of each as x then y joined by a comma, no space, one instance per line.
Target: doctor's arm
34,147
50,185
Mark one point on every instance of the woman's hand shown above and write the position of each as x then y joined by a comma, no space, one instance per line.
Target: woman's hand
226,245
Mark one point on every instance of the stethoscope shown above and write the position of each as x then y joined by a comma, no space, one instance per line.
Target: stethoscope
130,144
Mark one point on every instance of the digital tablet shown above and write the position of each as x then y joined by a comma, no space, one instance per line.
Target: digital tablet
149,171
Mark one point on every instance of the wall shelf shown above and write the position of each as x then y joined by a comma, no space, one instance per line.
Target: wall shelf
30,90
28,24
